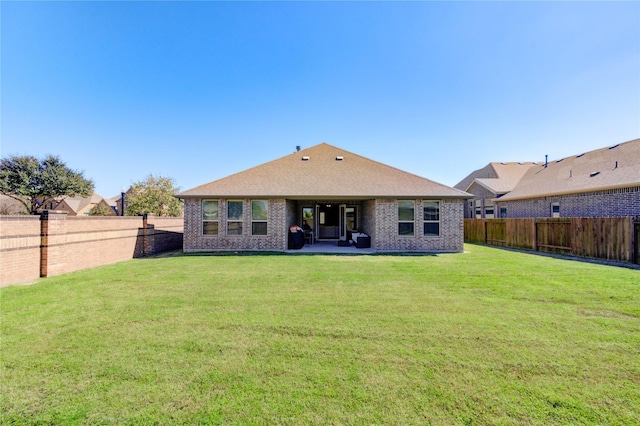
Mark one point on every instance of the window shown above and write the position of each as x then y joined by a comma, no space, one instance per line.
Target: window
307,218
478,212
503,212
405,218
209,217
431,218
234,217
352,216
259,209
488,212
555,209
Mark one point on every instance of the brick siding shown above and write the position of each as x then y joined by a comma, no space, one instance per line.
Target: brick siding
482,198
615,202
451,237
378,218
194,241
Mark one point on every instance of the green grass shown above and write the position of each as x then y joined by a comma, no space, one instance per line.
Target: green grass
485,337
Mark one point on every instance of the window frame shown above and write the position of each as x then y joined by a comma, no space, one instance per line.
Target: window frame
240,221
265,221
555,213
204,220
431,221
406,222
489,212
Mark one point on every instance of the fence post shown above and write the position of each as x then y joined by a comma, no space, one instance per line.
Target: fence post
484,221
53,238
535,234
635,237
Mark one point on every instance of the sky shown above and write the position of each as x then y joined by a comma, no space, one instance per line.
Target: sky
196,91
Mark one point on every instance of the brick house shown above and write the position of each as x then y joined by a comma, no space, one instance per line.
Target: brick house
488,184
82,206
600,183
332,191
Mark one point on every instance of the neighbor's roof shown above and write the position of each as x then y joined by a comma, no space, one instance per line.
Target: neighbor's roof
323,171
78,203
617,166
497,177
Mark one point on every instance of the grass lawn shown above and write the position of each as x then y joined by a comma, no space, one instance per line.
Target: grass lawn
484,337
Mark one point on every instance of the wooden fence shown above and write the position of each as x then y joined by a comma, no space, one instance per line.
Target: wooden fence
611,238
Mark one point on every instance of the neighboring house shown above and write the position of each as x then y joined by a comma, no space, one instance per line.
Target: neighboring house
11,206
335,193
115,202
489,183
604,182
82,206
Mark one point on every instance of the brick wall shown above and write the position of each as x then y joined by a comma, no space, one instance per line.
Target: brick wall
451,237
163,234
53,243
19,249
368,220
195,241
616,202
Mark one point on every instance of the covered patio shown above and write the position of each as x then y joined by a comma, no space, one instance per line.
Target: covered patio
330,247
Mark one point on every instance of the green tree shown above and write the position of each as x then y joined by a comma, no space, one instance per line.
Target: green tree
101,209
35,182
155,195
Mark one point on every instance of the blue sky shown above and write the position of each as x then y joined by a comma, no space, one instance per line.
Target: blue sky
196,91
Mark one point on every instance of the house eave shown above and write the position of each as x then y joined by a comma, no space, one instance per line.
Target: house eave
332,197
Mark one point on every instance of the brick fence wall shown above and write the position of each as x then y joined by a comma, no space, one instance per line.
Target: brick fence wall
53,243
19,249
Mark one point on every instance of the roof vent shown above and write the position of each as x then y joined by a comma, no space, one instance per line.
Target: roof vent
615,146
594,174
562,159
297,148
305,158
578,156
339,158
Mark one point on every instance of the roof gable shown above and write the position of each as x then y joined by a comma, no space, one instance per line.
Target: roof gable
323,171
498,178
606,168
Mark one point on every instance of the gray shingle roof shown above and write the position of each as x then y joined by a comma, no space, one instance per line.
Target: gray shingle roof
323,171
606,168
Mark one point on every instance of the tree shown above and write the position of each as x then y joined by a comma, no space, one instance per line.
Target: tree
35,183
154,195
101,209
